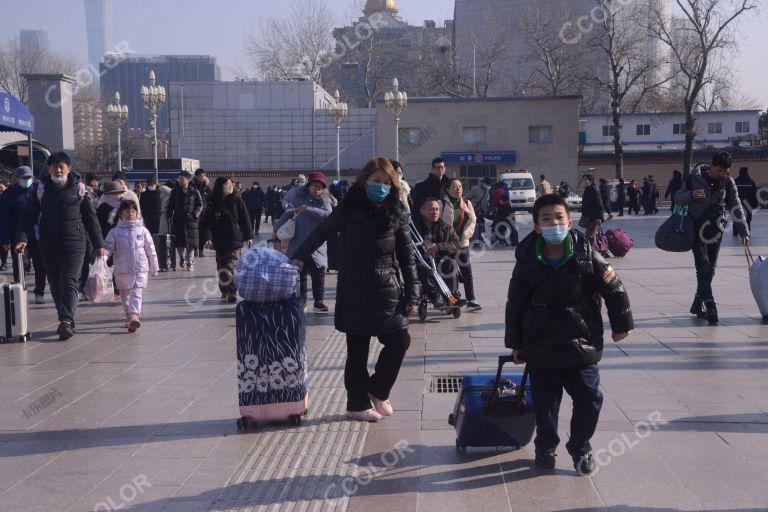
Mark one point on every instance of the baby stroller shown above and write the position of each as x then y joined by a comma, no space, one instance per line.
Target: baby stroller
453,300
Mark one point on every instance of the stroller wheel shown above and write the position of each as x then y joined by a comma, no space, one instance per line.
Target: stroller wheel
456,312
422,312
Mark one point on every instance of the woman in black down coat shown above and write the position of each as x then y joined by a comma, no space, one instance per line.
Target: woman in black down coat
370,300
227,226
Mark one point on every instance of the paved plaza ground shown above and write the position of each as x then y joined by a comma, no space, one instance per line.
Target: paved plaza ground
146,422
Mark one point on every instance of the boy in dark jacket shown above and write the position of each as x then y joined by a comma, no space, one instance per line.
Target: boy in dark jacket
554,323
442,244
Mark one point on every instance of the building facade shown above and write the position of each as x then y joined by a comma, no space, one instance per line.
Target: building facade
382,45
128,73
98,22
666,131
482,137
500,32
273,127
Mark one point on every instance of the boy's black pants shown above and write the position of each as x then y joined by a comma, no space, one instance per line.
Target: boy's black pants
583,385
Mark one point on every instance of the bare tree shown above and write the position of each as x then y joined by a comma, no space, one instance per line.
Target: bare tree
13,65
704,32
623,42
556,64
299,44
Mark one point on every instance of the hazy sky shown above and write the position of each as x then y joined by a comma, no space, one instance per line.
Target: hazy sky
219,28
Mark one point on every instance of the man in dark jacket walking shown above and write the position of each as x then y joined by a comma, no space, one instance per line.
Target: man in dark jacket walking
621,196
254,200
747,195
592,210
65,212
433,186
151,204
605,197
440,242
675,184
12,205
554,323
201,183
185,208
708,193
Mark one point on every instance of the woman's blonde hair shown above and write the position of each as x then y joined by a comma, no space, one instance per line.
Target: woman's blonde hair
379,164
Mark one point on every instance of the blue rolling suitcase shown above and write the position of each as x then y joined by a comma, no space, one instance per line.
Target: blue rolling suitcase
493,410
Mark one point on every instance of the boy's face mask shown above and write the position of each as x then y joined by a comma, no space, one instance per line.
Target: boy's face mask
25,182
554,235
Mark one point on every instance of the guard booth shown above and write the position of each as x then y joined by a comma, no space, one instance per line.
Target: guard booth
15,149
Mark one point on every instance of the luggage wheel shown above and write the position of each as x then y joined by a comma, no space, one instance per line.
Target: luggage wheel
452,419
456,312
294,421
460,447
243,424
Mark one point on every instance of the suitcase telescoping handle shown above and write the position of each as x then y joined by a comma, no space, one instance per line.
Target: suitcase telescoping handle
497,381
20,277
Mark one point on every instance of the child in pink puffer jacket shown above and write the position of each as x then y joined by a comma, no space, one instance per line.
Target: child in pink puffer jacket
133,251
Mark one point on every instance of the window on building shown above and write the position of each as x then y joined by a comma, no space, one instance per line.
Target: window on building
608,130
742,127
474,135
678,129
715,128
643,129
540,134
410,136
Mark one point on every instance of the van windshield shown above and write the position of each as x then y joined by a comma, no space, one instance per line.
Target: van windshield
520,184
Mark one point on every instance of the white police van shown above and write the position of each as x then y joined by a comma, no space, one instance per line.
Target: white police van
522,189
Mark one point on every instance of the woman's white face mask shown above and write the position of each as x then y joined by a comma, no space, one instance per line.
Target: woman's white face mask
25,182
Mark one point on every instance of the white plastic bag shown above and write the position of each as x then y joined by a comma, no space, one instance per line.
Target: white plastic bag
99,287
287,231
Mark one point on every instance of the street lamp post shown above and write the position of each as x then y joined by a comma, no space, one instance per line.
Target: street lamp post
396,101
153,98
338,112
118,115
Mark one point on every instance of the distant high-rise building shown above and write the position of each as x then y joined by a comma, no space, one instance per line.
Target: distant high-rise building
98,21
33,45
127,73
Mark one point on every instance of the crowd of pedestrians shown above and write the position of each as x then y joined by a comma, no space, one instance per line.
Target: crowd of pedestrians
62,223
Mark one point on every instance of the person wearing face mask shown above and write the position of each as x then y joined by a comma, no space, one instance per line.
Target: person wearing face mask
151,203
65,214
296,185
310,208
185,209
109,205
376,247
226,226
554,323
12,205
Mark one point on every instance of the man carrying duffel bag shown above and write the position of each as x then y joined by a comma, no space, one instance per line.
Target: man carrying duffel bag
553,322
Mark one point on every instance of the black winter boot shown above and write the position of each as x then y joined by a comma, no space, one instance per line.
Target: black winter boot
697,308
711,312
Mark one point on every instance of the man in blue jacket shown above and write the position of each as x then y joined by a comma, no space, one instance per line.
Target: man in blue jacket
67,217
12,206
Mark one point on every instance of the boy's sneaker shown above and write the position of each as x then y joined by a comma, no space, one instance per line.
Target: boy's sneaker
370,415
40,298
191,268
545,460
584,465
66,330
473,305
320,307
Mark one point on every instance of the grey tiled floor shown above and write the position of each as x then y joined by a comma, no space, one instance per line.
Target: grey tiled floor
161,404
